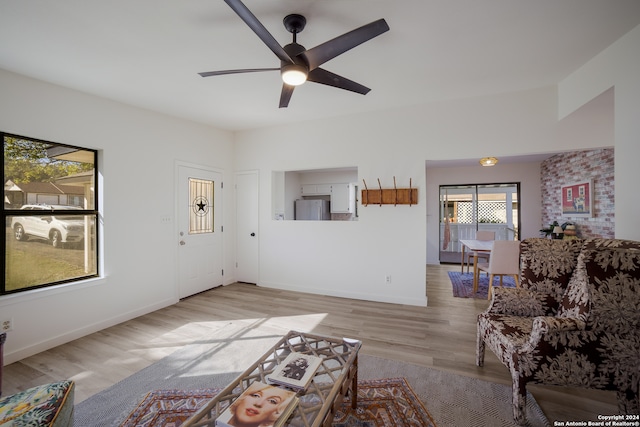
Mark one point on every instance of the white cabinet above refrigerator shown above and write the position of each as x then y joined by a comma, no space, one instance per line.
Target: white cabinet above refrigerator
316,189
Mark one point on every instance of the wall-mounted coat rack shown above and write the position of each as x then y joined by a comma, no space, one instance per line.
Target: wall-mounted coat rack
389,196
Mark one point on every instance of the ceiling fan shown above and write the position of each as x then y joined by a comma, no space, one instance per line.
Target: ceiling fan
299,64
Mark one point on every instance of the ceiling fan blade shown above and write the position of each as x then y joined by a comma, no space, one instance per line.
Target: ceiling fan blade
243,70
285,95
250,19
322,76
328,50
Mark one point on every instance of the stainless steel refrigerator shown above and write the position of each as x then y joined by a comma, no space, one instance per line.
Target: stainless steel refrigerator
313,210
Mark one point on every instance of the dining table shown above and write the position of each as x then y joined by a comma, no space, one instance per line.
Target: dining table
475,246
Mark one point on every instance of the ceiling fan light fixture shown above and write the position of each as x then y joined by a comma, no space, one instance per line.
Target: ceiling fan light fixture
488,161
294,74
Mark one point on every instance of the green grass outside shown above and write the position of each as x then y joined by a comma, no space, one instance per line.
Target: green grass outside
25,269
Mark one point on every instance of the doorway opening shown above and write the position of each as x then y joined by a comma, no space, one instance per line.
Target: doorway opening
466,209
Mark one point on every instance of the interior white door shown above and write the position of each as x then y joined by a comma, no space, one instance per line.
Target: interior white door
199,230
247,259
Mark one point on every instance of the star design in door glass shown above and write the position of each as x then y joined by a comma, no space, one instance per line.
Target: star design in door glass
200,206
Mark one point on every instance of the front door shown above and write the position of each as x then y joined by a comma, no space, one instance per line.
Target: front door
199,229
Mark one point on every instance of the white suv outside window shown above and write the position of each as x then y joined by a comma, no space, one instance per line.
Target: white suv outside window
57,228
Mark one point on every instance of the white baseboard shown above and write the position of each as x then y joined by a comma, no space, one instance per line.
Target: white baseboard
85,330
420,302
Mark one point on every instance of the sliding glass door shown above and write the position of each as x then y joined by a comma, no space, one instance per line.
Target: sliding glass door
465,209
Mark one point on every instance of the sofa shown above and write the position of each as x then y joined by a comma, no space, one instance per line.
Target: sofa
574,321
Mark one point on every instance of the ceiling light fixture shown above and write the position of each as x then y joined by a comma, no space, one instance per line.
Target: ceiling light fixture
488,161
294,74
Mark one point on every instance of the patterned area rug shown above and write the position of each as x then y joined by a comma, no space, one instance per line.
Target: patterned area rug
168,408
463,284
388,402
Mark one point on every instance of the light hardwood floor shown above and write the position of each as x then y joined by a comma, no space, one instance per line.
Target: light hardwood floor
442,336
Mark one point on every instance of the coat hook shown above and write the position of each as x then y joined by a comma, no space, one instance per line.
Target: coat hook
410,192
366,192
395,201
380,186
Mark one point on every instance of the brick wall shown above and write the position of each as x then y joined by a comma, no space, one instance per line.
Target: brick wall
567,168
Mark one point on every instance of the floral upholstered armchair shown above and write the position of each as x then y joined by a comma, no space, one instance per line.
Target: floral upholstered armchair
575,320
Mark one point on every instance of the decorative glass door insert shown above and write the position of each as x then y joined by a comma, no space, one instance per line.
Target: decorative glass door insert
201,218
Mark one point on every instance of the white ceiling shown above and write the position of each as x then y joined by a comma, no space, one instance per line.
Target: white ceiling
147,53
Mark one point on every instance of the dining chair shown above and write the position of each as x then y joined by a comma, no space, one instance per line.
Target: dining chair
483,235
504,261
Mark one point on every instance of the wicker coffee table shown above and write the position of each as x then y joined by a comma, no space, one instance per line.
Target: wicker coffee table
336,376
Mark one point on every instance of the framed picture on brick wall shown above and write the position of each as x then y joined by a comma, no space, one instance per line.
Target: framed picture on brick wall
577,199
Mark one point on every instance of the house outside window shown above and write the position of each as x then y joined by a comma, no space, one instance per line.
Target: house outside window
50,214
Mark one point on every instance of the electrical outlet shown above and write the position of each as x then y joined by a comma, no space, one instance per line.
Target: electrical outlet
6,325
387,279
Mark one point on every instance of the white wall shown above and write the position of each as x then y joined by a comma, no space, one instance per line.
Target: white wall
343,258
527,174
138,151
618,66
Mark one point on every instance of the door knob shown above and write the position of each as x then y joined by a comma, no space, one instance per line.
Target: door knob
253,234
182,243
